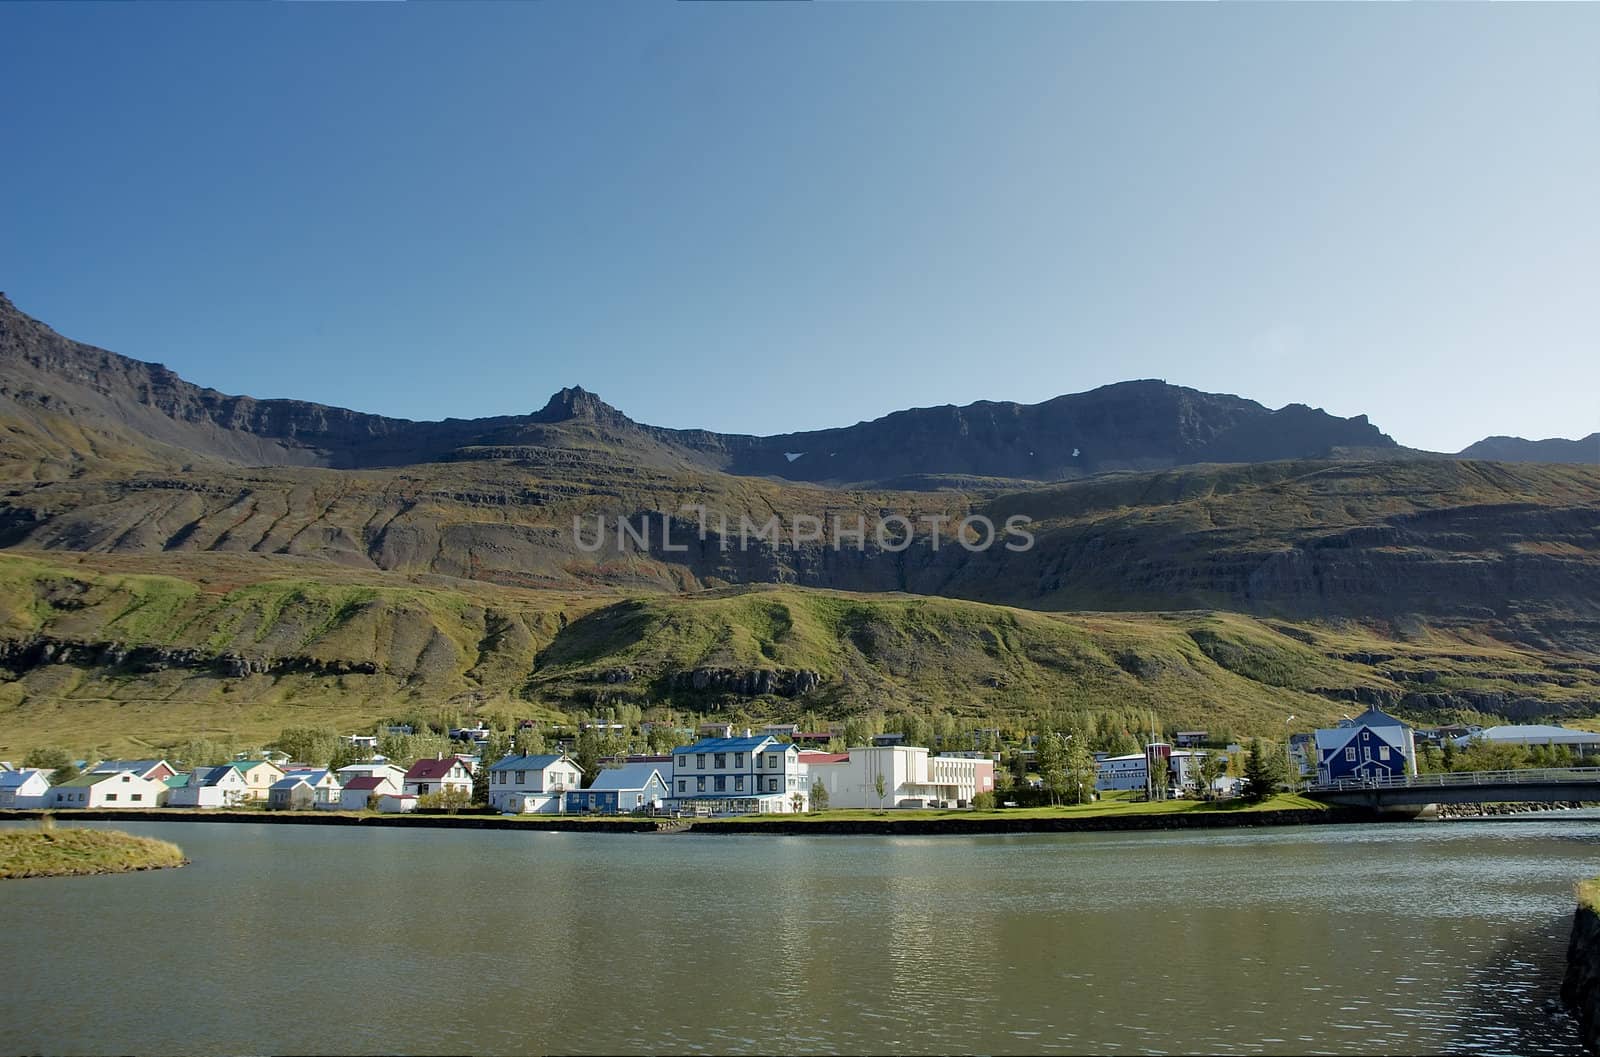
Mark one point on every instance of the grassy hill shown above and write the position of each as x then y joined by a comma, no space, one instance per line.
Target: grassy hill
125,653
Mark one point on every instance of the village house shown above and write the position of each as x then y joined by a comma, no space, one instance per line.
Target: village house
24,789
447,774
362,791
1116,773
396,803
533,784
912,777
223,786
155,770
755,774
258,775
620,790
374,769
292,792
1371,746
111,789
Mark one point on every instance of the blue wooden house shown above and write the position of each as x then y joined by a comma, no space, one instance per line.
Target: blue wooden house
621,790
1372,745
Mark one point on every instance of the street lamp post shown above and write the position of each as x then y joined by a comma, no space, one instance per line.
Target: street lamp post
1293,774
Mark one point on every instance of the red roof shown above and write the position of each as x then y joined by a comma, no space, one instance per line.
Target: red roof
824,757
365,782
433,769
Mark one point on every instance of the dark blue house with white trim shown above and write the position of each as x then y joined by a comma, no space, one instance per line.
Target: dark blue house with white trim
1372,745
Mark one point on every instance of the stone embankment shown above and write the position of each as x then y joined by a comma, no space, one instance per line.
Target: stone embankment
1497,810
1580,991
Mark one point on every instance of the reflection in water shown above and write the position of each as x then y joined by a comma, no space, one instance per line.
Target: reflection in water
1407,938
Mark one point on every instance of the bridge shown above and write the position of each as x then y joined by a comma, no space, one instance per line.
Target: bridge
1544,785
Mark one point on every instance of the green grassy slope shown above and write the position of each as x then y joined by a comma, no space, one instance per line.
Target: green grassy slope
127,653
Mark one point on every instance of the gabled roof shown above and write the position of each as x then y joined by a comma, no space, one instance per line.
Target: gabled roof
83,781
1339,738
140,766
368,782
250,765
16,779
433,769
530,763
824,757
754,743
629,776
289,781
216,775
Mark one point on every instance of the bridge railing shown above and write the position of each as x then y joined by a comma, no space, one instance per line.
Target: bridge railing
1529,776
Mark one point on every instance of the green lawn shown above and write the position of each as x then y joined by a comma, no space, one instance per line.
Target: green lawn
1589,894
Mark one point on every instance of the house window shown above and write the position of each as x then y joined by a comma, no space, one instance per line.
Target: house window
683,762
738,783
738,759
772,759
1383,752
1350,755
522,776
719,760
700,761
683,786
772,784
422,789
137,796
721,784
700,784
110,797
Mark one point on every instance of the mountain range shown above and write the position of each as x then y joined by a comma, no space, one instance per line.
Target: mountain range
177,560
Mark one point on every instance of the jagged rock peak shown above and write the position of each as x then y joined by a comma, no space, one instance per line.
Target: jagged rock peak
577,403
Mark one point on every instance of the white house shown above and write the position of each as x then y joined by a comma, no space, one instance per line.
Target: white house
533,784
259,775
912,777
223,786
756,774
374,769
444,775
1580,742
109,789
324,784
156,770
24,789
396,803
620,790
359,791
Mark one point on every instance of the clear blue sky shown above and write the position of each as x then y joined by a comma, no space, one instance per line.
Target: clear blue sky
773,217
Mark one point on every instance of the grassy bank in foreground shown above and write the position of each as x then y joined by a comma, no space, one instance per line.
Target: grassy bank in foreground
1109,808
71,852
1589,894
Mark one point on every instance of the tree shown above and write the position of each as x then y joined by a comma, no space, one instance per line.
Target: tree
1448,754
819,796
1051,762
1081,771
313,745
451,800
983,801
1211,767
856,733
529,741
494,750
587,756
1261,771
797,800
877,785
344,754
55,760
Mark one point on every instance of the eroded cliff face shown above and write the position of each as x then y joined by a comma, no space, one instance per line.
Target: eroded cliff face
1580,990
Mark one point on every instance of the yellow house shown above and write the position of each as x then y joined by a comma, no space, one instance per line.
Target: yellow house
258,776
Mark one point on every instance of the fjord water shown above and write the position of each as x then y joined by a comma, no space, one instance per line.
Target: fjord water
1399,938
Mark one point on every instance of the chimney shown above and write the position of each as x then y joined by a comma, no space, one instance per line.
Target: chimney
747,732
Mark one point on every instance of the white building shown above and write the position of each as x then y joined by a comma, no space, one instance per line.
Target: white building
536,785
755,774
360,791
1130,772
124,789
912,777
1580,742
221,786
449,774
374,769
24,789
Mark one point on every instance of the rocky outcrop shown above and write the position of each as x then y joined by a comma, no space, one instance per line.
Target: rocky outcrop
1580,990
1515,449
19,656
750,682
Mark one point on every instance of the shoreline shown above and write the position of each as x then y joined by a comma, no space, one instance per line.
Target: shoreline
772,825
68,852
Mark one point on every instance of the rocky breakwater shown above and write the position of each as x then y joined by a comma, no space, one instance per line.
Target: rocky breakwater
1580,991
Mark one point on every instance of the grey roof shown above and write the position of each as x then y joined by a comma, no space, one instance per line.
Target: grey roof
15,779
125,765
751,744
526,763
627,777
1537,734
